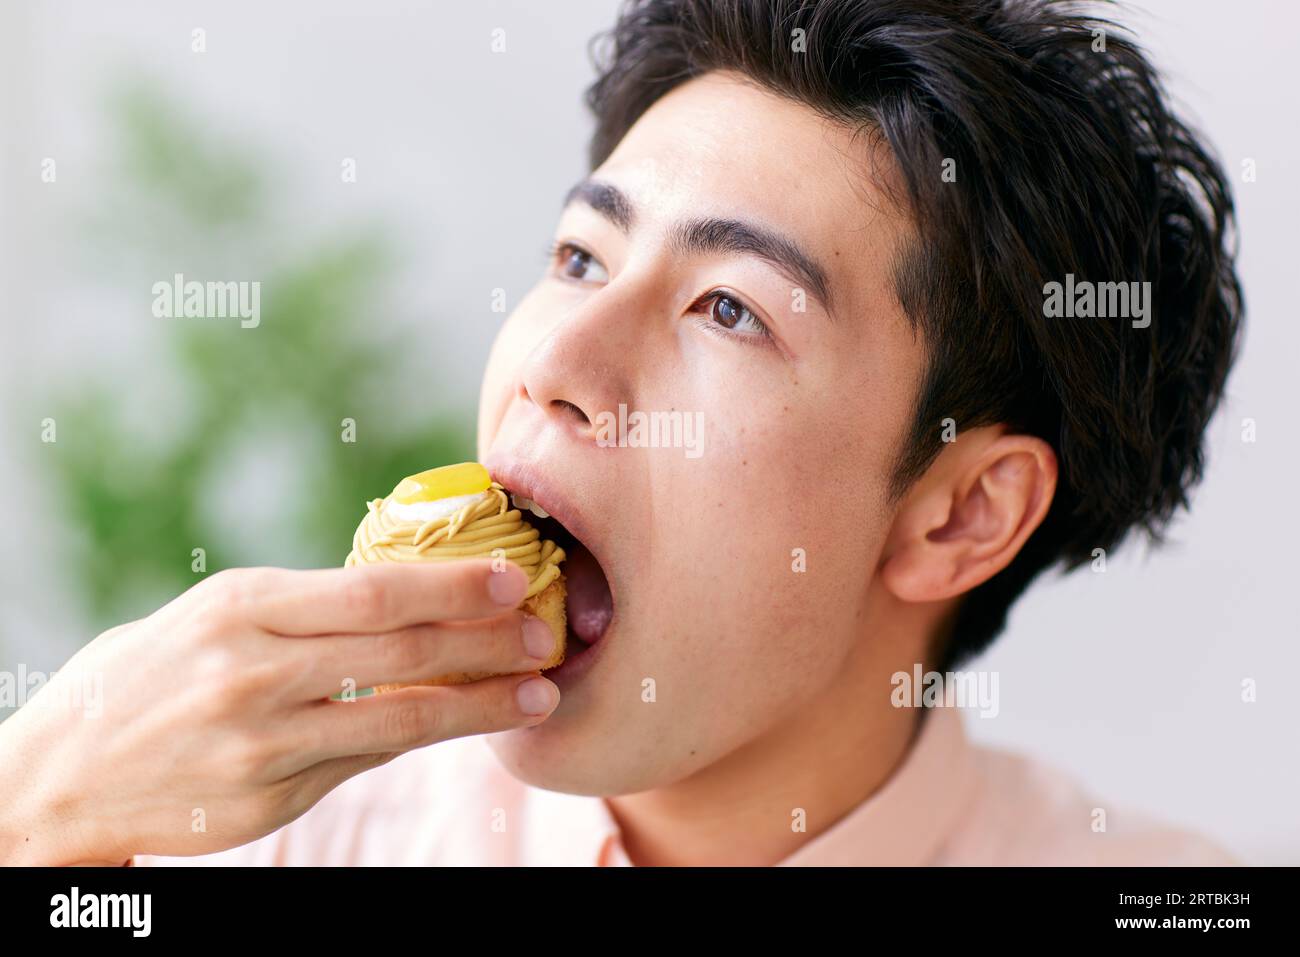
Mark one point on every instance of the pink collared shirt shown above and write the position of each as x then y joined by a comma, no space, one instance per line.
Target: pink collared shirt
949,803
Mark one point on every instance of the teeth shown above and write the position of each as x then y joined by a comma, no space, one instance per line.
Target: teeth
526,503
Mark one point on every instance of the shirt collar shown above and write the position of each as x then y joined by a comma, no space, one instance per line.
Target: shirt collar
904,823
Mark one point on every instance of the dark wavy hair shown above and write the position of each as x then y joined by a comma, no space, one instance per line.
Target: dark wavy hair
1068,159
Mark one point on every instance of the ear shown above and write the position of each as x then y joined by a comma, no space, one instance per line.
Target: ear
969,515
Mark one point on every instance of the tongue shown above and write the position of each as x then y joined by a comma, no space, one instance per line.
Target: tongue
589,607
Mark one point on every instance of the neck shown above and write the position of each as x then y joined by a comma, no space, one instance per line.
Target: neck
827,757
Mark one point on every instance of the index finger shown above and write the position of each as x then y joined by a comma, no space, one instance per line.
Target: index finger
388,595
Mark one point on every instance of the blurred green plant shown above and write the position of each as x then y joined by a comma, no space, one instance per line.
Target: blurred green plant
138,492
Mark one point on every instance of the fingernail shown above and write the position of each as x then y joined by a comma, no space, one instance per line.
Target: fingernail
507,586
536,696
538,640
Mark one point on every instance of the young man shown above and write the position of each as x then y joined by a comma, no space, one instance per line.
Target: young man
948,287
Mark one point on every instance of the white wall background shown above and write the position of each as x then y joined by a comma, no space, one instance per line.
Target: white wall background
1131,679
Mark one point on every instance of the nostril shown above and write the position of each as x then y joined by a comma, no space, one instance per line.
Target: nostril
565,407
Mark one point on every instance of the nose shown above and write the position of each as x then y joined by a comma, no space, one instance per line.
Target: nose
584,364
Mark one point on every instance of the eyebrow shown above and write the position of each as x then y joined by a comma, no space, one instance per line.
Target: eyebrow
609,201
713,235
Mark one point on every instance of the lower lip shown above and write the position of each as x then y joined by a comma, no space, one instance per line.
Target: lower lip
575,666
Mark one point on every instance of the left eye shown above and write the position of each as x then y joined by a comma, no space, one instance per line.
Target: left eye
576,263
732,314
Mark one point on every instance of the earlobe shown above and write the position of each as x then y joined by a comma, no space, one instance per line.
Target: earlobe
968,523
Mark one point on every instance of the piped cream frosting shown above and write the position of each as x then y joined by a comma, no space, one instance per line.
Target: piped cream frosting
464,526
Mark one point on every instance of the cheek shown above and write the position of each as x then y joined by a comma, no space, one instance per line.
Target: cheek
786,571
779,524
767,560
749,631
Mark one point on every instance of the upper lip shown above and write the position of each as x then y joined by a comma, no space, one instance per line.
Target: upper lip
529,480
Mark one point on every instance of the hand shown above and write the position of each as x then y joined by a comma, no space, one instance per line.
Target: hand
216,707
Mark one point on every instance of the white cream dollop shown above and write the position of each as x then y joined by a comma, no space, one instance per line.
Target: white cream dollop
428,511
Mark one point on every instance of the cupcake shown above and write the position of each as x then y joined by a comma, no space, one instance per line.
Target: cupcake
458,512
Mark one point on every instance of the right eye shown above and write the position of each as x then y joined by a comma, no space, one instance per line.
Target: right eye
574,262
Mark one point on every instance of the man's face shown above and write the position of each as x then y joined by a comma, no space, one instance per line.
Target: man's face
696,289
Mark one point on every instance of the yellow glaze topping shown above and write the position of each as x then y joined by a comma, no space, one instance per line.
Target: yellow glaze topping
467,478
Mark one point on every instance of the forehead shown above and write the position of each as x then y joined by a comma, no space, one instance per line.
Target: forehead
718,145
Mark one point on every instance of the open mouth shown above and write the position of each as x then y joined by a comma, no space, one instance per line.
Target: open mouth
589,602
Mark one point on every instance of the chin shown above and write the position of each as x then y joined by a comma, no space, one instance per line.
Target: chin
575,756
553,756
